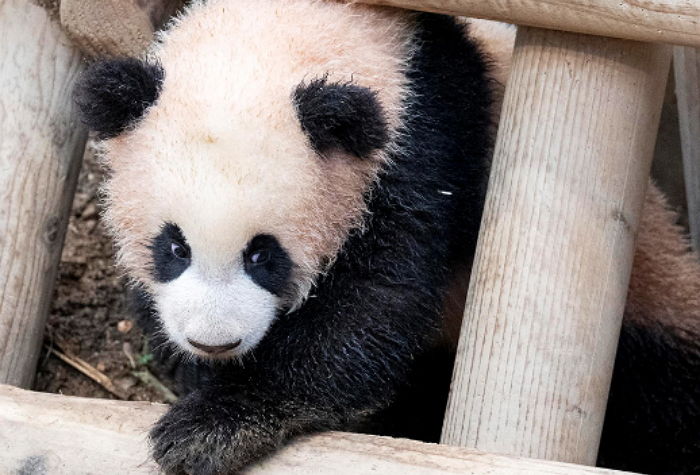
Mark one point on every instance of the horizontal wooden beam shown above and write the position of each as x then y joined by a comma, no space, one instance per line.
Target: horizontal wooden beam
49,433
665,21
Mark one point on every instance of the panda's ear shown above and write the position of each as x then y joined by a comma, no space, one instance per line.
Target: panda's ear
113,94
341,116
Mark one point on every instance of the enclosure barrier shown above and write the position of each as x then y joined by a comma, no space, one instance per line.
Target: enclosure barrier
552,265
114,27
552,268
41,146
686,61
662,21
74,435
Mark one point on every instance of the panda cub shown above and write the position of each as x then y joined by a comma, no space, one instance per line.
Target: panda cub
294,187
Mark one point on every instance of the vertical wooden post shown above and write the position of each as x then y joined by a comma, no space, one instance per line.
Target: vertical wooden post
41,146
686,62
551,271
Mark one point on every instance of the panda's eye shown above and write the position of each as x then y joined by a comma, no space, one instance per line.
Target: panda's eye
261,256
179,251
267,263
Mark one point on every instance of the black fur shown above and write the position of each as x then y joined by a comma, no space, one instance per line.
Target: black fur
166,265
652,423
340,116
112,95
347,352
419,407
273,274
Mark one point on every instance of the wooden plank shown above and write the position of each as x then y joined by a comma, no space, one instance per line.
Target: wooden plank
70,435
41,146
668,21
115,27
686,62
555,251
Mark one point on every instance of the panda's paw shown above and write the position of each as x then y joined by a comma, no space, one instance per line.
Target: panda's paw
197,436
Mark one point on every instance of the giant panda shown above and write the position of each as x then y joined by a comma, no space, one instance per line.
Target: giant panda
295,190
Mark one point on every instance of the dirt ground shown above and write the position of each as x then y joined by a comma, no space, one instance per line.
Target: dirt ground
89,318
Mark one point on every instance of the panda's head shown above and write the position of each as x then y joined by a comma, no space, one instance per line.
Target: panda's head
239,155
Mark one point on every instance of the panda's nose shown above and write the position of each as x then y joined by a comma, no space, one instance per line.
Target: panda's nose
214,349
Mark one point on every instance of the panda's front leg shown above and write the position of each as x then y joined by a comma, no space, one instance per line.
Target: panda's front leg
226,425
315,371
216,431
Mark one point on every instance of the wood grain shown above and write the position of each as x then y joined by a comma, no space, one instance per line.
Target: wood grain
115,27
686,62
72,435
555,250
41,146
668,21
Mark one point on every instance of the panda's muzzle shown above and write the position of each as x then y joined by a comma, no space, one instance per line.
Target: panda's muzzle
215,350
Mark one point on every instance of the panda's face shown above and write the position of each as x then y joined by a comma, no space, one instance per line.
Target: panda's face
228,224
240,155
218,311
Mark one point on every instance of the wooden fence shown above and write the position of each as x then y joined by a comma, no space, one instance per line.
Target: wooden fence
536,351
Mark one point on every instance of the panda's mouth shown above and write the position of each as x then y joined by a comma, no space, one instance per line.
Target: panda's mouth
215,350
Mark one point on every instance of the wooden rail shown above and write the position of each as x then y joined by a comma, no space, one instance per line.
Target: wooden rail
552,267
551,271
49,433
686,62
666,21
115,27
41,146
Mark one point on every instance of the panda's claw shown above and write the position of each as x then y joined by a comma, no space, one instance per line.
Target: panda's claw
200,437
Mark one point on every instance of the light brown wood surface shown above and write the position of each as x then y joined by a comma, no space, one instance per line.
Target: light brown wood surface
552,266
115,27
686,62
70,435
669,21
41,146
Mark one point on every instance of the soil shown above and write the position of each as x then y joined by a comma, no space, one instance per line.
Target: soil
90,317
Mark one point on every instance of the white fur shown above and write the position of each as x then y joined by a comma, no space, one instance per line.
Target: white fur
215,308
222,154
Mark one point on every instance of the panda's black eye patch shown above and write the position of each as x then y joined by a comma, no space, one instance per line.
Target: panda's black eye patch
170,252
267,263
113,94
341,116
